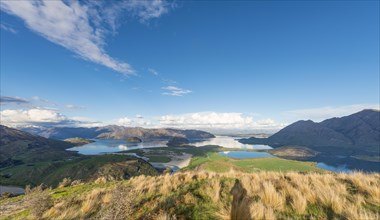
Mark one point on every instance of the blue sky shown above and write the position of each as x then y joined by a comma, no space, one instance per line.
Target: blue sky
219,64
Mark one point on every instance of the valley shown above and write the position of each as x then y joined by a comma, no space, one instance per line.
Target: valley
86,168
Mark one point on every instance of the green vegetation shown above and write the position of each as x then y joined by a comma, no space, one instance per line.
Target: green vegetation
159,159
134,140
217,163
293,152
208,195
83,168
77,141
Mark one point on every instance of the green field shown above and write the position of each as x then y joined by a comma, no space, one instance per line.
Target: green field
217,163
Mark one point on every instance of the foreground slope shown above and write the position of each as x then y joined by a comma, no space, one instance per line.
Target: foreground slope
204,195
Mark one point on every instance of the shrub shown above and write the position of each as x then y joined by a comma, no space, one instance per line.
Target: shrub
123,199
38,200
64,183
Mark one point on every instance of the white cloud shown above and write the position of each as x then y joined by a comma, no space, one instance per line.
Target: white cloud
74,107
320,114
146,10
86,122
124,121
138,121
42,117
215,120
175,91
80,27
31,116
153,71
7,27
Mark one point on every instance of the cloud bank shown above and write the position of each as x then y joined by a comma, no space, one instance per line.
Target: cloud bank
215,120
175,91
81,26
41,117
31,116
137,121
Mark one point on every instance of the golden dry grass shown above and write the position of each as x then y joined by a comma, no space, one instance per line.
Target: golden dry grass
231,195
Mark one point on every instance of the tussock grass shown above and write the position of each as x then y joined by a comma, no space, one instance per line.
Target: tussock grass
230,195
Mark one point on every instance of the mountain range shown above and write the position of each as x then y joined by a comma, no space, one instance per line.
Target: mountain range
357,131
116,133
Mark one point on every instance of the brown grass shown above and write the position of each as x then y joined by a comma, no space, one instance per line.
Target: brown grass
232,195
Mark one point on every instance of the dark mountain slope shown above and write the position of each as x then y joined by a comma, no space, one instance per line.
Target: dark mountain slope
308,133
359,131
30,159
18,146
362,128
67,132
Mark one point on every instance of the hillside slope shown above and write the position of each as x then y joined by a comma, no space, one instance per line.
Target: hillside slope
360,131
204,195
21,147
30,159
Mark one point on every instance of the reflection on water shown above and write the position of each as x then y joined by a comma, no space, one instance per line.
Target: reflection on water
111,146
337,169
244,154
229,142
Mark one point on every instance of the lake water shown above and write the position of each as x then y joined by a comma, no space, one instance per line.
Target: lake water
15,190
112,146
244,154
229,142
337,169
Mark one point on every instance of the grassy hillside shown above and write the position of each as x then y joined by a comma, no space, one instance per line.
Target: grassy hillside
207,195
85,168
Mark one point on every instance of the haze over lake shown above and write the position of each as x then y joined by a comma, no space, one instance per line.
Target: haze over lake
229,142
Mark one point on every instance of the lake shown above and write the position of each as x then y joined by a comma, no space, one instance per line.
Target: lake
245,154
112,146
229,142
338,169
335,164
15,190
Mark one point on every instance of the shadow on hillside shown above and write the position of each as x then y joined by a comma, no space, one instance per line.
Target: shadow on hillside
240,203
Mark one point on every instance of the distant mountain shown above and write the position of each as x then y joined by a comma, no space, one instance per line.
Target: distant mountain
121,133
360,131
62,133
18,147
117,133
